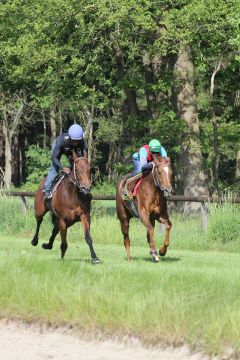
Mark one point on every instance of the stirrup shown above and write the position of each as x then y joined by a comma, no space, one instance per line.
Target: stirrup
47,195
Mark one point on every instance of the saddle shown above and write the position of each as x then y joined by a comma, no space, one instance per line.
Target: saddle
131,185
57,180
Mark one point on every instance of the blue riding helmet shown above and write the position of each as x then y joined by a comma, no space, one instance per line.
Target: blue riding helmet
75,132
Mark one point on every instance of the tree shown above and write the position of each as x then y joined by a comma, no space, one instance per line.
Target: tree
12,112
191,155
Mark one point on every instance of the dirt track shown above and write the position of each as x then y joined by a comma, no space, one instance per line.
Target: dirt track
19,341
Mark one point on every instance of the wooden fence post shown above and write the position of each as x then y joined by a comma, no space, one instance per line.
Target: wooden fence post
24,204
203,216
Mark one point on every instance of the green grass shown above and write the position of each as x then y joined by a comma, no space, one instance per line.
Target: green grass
191,296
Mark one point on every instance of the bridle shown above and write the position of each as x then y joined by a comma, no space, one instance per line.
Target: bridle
83,189
166,191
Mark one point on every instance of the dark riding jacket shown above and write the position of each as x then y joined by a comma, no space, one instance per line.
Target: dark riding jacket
63,146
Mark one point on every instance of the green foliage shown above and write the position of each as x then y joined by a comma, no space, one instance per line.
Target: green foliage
104,188
123,168
88,55
38,162
109,130
224,223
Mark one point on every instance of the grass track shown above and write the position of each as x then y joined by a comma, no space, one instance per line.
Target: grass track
190,296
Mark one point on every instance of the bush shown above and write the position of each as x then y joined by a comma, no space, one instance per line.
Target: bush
224,223
38,162
104,188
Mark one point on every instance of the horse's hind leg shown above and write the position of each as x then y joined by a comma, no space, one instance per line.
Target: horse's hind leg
125,231
124,217
168,224
85,220
55,231
40,211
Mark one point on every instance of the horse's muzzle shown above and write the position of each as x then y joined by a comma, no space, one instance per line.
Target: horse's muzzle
167,192
84,190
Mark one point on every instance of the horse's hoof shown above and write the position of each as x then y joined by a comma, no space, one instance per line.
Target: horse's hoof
156,258
46,246
154,255
96,261
34,242
162,252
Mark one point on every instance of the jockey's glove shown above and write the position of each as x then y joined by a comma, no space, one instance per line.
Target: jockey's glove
147,166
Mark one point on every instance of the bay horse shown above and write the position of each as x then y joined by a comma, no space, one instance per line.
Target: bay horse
71,202
150,204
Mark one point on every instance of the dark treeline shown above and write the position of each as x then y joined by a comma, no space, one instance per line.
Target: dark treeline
128,71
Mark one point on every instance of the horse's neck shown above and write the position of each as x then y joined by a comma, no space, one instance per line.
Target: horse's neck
68,184
148,180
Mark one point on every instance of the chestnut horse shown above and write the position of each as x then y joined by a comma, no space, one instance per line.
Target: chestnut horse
71,202
150,203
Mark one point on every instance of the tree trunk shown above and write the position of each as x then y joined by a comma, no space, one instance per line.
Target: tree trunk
131,97
113,159
216,157
53,124
191,156
131,101
11,118
89,133
8,156
60,120
44,129
20,164
15,161
238,165
1,162
150,94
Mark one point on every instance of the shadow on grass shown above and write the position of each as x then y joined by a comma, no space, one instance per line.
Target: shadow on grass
79,260
134,258
162,259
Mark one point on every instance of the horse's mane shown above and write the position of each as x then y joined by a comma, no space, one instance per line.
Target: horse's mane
158,159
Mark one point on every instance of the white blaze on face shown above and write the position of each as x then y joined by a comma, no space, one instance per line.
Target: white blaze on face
165,168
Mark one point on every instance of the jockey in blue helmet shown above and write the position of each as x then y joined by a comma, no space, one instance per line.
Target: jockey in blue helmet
65,143
142,159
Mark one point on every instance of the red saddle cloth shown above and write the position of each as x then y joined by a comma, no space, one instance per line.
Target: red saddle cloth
135,189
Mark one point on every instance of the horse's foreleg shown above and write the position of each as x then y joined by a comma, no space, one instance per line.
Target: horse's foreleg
63,232
39,220
163,250
85,220
55,231
149,223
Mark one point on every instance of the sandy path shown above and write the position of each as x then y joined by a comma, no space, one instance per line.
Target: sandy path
19,341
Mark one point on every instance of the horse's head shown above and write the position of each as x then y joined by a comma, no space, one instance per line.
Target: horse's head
82,173
162,173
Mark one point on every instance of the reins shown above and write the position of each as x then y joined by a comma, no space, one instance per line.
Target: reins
83,189
156,181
